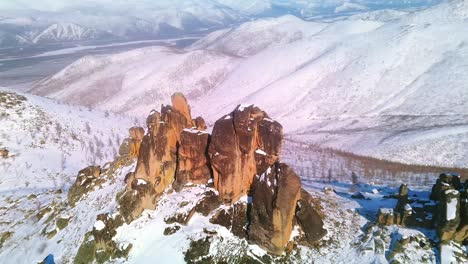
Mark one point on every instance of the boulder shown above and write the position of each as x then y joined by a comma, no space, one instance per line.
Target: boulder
385,216
275,195
138,196
244,143
308,219
4,153
208,203
85,182
234,218
193,164
448,215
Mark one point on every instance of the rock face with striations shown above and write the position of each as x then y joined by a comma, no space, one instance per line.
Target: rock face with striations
131,145
157,160
193,164
275,195
244,143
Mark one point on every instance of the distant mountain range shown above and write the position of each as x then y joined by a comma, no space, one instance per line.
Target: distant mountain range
104,20
400,80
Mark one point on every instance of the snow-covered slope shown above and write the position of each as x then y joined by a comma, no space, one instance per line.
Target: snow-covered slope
392,88
49,142
137,80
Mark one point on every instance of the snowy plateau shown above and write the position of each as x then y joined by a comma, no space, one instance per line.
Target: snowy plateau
372,99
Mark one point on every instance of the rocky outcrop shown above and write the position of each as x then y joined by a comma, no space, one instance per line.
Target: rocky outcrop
138,196
448,215
244,143
385,216
157,160
193,165
275,195
85,182
131,145
4,153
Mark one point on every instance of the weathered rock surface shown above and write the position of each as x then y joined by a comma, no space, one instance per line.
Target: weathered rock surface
308,219
448,215
157,160
244,143
234,218
275,195
138,196
193,164
385,216
131,145
4,153
86,180
200,123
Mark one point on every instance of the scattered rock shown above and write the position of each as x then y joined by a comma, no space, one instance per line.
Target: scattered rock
208,203
62,223
198,251
86,180
235,219
104,247
138,196
385,216
4,237
171,230
4,153
180,218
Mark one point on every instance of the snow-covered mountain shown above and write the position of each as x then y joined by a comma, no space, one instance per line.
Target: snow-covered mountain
375,85
146,19
62,32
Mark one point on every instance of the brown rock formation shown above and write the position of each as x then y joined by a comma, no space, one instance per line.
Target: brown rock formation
131,146
193,159
157,159
275,195
4,153
244,143
180,104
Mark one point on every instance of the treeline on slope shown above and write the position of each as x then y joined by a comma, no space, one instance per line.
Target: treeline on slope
313,161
